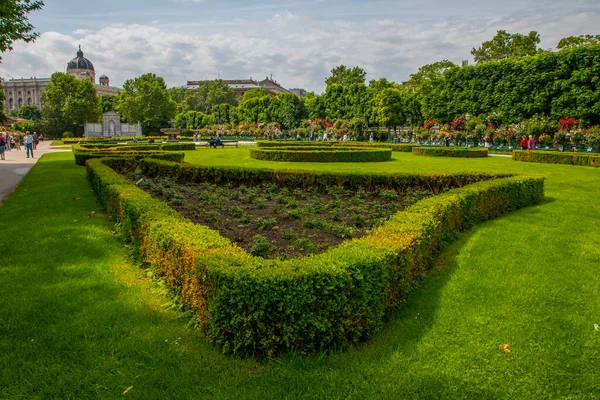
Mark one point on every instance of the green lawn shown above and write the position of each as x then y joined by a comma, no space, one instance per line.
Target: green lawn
79,320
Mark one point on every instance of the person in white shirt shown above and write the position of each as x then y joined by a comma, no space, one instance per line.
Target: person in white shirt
28,144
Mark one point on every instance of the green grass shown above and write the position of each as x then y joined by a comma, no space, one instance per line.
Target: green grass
78,320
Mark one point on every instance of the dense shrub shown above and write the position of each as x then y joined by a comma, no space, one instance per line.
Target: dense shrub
248,305
395,147
449,152
555,157
68,135
321,154
82,156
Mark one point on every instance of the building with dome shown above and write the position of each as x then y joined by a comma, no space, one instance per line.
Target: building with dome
27,91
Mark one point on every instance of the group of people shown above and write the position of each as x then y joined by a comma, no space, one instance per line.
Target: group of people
528,144
13,141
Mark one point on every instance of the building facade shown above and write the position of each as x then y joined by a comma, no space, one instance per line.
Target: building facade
21,92
241,86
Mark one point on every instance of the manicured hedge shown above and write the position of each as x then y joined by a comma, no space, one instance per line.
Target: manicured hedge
554,157
321,154
81,156
251,306
449,152
141,146
395,147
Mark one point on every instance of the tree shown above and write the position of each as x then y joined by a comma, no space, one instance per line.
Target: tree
507,45
388,108
107,103
28,111
145,99
578,41
255,106
346,76
428,73
14,22
291,110
68,104
314,106
203,98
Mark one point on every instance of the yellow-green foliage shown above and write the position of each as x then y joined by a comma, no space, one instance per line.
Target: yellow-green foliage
249,305
321,154
554,157
395,147
449,152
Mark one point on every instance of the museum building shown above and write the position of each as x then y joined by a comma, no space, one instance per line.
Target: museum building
20,92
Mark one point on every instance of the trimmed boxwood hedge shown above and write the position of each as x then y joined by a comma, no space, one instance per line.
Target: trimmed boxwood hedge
395,147
252,306
321,154
449,152
140,146
81,157
554,157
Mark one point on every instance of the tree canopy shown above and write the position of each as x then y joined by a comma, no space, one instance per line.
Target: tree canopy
203,98
28,111
346,76
69,103
145,99
14,22
507,45
578,41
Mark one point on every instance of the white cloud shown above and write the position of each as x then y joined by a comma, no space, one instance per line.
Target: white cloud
297,50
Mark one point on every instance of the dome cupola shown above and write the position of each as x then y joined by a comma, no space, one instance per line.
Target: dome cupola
80,62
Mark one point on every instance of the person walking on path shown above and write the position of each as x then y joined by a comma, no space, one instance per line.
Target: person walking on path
35,140
531,143
371,138
28,144
2,146
523,143
17,141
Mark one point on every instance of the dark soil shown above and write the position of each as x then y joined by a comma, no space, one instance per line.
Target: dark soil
275,222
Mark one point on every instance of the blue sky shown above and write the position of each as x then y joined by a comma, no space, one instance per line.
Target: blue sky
298,42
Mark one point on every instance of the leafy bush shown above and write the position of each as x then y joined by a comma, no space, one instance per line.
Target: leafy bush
248,305
320,154
555,157
450,152
68,134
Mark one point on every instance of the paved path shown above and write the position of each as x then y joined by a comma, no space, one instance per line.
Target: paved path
17,165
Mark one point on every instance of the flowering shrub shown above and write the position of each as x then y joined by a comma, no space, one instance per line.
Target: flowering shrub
430,124
566,124
592,137
545,140
457,124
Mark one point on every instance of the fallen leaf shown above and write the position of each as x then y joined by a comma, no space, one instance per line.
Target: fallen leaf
275,228
128,389
505,348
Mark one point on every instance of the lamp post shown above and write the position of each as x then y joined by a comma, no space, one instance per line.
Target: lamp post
467,118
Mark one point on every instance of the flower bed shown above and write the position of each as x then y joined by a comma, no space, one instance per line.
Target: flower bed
249,305
449,152
555,157
321,154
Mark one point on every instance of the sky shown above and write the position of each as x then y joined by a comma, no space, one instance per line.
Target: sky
298,42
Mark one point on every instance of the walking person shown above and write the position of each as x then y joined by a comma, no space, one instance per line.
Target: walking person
371,138
35,140
531,143
2,146
488,141
28,144
523,143
447,140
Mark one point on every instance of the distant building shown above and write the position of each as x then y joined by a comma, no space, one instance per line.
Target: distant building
241,86
298,92
20,92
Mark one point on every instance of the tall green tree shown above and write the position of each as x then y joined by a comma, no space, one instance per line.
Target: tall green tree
345,76
388,108
14,22
145,99
578,41
507,45
28,111
314,106
291,111
107,103
203,98
255,106
68,104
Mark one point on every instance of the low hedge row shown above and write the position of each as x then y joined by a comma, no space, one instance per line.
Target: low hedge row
395,147
139,146
321,154
82,156
553,157
449,152
251,306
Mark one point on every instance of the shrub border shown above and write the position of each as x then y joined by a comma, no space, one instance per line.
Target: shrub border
554,157
450,152
260,307
321,154
395,147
